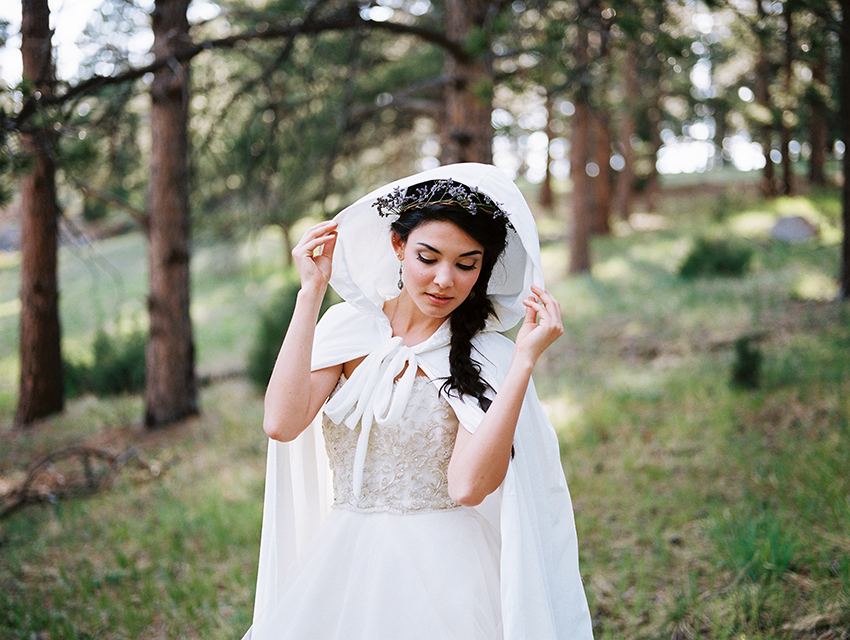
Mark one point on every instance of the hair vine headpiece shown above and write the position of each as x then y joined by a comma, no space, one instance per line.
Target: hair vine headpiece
439,192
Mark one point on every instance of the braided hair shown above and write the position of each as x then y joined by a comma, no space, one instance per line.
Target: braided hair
471,315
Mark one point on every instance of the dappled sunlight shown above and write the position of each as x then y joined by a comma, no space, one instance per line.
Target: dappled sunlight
666,253
647,222
565,413
577,298
814,285
10,308
554,262
10,259
753,224
796,206
612,269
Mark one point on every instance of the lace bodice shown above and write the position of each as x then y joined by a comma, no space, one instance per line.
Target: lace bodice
406,463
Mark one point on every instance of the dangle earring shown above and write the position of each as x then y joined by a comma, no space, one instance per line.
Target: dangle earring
400,272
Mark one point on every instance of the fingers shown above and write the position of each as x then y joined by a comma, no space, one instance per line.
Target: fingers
322,234
543,303
313,255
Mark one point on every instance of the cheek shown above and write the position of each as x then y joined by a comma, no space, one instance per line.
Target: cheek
469,278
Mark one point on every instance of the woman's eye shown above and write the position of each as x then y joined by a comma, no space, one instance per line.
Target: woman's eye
466,267
426,260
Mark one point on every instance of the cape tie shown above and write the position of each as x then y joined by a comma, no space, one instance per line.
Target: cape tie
375,395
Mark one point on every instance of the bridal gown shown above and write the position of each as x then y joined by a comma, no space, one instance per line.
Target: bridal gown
401,560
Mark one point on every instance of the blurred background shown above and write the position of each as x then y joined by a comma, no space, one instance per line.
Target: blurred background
685,162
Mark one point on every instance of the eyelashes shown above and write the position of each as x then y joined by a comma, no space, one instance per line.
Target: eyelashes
462,267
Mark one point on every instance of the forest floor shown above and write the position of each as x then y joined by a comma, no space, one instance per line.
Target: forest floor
704,509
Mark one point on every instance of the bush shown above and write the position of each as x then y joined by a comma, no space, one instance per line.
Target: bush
274,321
118,366
746,368
719,257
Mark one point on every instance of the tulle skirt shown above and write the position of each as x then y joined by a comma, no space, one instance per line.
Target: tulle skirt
385,576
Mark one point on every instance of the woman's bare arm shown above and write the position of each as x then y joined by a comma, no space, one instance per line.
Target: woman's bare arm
295,393
480,460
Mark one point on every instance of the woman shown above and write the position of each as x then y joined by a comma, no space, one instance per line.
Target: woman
452,518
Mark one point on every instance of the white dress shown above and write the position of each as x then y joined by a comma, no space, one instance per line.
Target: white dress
401,561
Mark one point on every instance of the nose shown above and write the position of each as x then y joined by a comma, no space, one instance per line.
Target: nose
443,277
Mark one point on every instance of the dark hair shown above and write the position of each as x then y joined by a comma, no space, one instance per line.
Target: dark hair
471,316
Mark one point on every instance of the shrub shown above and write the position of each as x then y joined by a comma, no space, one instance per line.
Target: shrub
719,257
746,368
118,366
274,321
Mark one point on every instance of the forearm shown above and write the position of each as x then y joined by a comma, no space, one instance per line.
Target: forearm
288,406
478,467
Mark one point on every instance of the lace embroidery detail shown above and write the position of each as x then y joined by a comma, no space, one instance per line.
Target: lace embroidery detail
406,464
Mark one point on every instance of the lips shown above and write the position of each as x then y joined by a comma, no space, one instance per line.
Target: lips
436,299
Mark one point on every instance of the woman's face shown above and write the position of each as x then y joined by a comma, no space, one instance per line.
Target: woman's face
441,264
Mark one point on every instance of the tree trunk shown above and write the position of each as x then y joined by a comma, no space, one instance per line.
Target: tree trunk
628,129
844,119
579,157
762,92
818,122
603,182
546,198
41,391
785,125
467,135
652,181
170,388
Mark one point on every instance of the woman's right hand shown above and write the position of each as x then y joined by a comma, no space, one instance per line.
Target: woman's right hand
315,269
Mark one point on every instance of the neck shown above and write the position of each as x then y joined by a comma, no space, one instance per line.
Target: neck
408,322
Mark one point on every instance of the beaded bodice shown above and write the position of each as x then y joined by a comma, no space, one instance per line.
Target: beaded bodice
406,463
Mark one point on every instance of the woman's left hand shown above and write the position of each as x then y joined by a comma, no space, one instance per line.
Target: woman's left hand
542,324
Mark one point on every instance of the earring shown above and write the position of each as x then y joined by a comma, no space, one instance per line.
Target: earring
400,272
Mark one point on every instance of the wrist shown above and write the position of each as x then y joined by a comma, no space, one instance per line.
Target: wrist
311,295
523,362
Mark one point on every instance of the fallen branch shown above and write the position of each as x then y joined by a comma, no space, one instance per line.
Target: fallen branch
72,472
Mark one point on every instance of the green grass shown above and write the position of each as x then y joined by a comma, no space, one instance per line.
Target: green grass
703,510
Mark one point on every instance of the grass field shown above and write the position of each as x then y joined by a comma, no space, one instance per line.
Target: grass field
703,510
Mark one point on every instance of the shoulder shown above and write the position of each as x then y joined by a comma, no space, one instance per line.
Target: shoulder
338,311
343,333
342,315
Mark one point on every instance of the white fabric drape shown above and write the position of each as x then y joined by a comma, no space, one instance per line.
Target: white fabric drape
542,594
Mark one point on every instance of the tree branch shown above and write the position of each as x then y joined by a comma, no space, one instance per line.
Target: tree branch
347,18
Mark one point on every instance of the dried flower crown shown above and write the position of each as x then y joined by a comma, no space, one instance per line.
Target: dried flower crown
439,192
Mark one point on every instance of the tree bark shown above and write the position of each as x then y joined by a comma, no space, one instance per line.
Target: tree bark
546,198
653,187
762,93
467,135
628,129
818,122
844,119
41,390
579,157
603,182
785,125
170,387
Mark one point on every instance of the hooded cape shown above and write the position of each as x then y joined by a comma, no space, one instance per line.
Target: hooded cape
542,595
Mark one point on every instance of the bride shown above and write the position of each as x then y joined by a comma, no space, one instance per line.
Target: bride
450,515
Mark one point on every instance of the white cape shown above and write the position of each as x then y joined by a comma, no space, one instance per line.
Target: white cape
542,594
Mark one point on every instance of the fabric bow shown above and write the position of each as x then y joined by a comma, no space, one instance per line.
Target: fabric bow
376,394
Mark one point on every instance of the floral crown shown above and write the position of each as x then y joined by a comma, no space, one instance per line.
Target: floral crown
439,192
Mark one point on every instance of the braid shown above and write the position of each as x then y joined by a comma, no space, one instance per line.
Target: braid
466,321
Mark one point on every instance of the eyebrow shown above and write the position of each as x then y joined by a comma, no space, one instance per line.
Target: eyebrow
474,252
